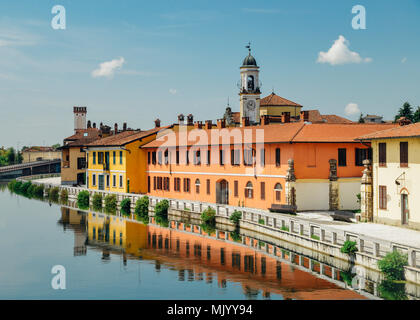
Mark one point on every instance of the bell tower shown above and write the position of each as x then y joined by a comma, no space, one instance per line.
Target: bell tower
249,89
79,117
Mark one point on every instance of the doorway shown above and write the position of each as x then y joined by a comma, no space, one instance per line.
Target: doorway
404,208
222,192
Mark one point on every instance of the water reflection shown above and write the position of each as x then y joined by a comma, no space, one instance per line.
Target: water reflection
197,256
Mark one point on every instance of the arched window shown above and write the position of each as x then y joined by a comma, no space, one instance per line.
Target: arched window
197,186
250,83
249,190
277,190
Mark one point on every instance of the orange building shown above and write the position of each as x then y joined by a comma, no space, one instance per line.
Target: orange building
310,166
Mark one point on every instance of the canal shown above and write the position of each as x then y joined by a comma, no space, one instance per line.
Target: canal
114,257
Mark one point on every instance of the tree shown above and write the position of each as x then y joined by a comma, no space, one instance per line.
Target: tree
416,115
11,155
361,120
56,146
405,111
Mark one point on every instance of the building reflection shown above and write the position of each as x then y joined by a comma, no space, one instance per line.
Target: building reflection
201,257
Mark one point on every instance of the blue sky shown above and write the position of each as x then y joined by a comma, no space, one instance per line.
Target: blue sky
184,57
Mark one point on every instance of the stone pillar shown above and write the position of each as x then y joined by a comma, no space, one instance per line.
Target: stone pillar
333,188
290,186
366,194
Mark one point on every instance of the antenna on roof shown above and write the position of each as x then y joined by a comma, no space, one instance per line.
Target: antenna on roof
228,102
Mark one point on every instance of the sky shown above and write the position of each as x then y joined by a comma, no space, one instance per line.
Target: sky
135,61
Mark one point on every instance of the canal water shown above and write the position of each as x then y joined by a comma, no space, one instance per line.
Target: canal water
112,257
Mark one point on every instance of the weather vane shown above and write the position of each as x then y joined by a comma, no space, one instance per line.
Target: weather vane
249,47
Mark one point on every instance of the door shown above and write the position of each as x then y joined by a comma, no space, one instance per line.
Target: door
101,182
404,208
222,192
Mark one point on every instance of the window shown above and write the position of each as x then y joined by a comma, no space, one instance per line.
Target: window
177,184
382,154
208,157
235,189
167,184
100,157
107,180
114,180
93,179
94,158
249,190
249,157
121,181
113,157
208,186
277,157
197,157
342,157
382,197
361,155
81,163
154,183
166,156
177,156
262,184
148,157
121,157
186,185
160,157
187,157
232,157
262,157
148,183
403,154
154,157
197,186
277,191
221,157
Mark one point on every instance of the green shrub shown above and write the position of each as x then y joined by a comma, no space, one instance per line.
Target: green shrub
97,201
235,217
54,194
261,221
126,206
391,290
83,199
31,191
392,265
208,228
349,247
25,187
11,185
39,191
284,228
208,216
161,208
110,203
235,235
64,195
162,220
142,207
17,186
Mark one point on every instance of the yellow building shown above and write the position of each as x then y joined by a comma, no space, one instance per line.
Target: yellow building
396,175
40,153
274,105
116,163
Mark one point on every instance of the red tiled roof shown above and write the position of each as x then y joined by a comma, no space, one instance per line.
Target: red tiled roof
39,149
125,137
80,134
411,130
275,100
332,118
334,132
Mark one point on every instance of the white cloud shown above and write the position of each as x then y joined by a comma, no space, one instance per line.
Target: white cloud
352,109
260,10
108,68
403,60
339,53
172,91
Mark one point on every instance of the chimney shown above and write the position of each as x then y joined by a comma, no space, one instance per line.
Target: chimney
125,126
89,125
221,123
285,117
157,123
198,125
265,120
245,122
94,125
304,116
209,124
190,119
115,128
181,119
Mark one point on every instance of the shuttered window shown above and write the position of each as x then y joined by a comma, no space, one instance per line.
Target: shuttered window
262,157
208,186
382,197
235,188
382,154
277,157
262,190
361,155
342,157
403,154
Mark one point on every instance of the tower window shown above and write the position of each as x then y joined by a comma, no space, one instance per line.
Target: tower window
250,83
